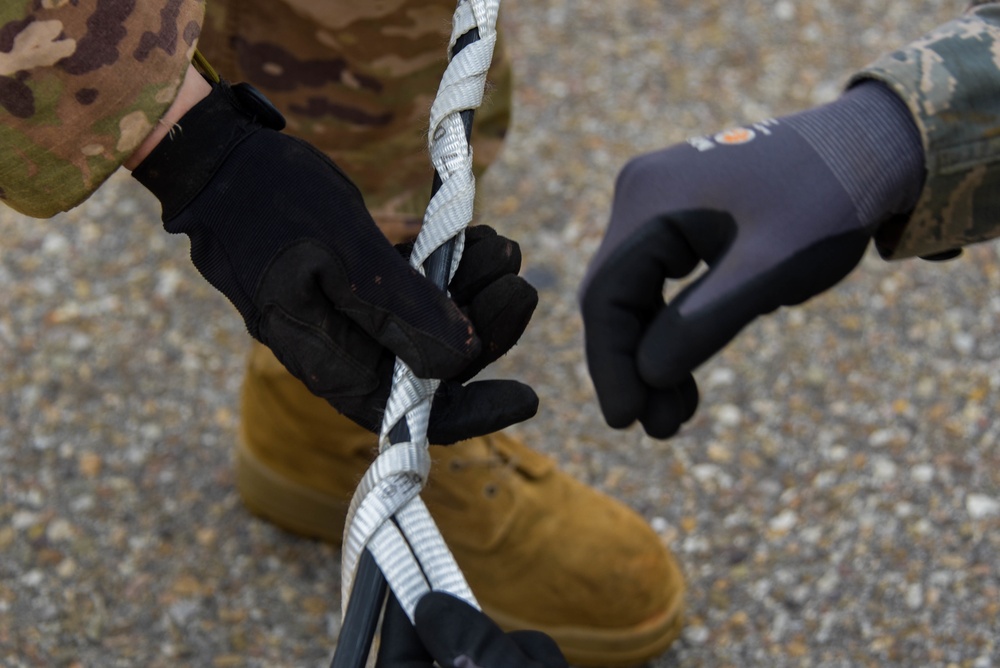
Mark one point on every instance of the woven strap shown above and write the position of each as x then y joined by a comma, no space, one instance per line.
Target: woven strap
386,514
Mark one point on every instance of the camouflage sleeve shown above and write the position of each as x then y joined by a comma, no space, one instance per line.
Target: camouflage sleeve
950,80
81,84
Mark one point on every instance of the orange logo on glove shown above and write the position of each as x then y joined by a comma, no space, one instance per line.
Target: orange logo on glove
735,136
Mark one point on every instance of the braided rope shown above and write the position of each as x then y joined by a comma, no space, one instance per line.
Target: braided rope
386,514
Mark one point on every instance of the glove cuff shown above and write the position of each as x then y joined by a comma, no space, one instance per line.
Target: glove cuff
869,141
187,158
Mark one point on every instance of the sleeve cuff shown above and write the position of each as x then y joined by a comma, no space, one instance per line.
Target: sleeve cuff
948,80
87,96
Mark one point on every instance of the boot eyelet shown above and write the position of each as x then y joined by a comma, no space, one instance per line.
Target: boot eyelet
454,466
490,491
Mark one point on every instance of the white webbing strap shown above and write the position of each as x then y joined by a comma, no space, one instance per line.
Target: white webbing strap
386,514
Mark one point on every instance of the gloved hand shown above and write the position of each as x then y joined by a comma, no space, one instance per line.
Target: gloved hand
456,635
779,211
285,235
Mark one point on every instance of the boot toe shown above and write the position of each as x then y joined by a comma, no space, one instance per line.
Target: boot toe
545,552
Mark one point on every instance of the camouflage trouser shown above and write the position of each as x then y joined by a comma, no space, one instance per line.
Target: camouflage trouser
357,81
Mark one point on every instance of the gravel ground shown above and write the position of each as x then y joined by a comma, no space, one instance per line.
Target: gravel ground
836,502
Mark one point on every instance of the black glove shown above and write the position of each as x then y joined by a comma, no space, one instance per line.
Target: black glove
455,635
780,211
285,235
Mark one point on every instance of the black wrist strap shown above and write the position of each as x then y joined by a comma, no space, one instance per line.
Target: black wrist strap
187,158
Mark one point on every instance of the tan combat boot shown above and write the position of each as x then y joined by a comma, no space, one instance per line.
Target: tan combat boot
540,550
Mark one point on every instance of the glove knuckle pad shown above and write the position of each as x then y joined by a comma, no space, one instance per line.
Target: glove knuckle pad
314,358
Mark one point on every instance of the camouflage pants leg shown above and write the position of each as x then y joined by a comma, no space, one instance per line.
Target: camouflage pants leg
356,79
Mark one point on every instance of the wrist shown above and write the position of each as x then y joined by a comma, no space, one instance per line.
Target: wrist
193,89
182,163
870,141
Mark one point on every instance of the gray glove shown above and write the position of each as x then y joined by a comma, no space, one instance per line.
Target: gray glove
779,211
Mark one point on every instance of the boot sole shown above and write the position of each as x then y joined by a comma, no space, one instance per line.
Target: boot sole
306,512
611,648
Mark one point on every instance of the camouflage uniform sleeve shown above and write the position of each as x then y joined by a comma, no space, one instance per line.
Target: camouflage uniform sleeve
949,79
81,84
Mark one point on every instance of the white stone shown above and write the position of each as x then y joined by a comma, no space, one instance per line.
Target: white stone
784,10
881,438
54,244
32,578
729,415
59,530
914,596
963,343
884,468
981,506
23,519
721,376
783,521
696,635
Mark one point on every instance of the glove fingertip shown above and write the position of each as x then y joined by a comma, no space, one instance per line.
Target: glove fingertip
621,393
540,648
474,233
442,351
668,409
461,412
500,315
618,417
486,259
